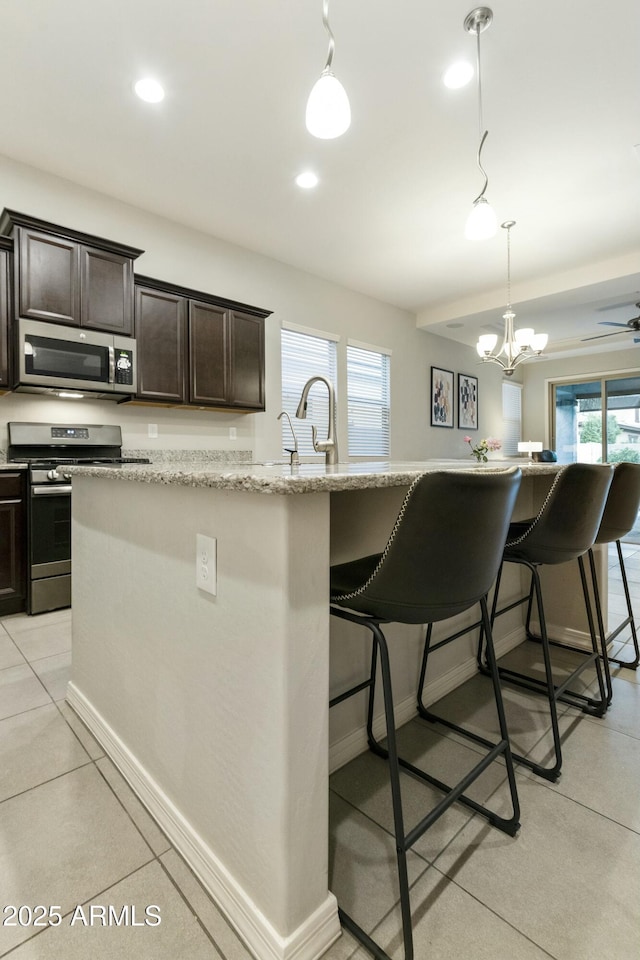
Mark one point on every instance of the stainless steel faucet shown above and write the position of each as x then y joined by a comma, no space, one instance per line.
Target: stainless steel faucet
329,446
294,453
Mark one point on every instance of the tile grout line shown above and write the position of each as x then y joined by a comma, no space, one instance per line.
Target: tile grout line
36,786
194,912
93,896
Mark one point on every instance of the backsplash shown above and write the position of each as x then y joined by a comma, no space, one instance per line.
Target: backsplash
192,456
173,456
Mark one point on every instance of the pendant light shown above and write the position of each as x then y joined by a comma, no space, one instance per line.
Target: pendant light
481,223
328,111
517,345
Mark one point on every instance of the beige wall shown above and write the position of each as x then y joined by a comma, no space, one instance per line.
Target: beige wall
179,254
184,256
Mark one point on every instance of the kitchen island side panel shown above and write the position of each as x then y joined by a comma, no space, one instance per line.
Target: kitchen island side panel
222,700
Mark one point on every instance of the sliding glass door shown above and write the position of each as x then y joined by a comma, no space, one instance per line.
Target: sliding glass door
597,421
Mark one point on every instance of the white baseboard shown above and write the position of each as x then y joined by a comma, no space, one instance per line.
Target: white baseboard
573,638
355,743
308,942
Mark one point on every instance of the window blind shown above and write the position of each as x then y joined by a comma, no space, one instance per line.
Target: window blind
511,418
305,355
368,400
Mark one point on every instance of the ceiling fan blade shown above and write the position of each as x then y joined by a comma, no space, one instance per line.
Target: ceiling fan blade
601,336
612,323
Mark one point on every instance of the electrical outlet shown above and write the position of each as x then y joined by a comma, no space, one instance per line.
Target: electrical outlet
206,564
233,433
152,431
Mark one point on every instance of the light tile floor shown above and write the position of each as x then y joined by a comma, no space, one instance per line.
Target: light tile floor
567,887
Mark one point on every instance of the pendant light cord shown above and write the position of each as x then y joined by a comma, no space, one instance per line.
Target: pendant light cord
332,43
480,117
483,135
509,268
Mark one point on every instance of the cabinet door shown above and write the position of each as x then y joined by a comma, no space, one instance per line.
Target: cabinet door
13,572
106,291
208,380
48,278
246,361
4,318
160,336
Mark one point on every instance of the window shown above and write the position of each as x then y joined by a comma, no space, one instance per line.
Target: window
511,418
368,400
306,354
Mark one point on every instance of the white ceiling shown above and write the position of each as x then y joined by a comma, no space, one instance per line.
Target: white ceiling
560,87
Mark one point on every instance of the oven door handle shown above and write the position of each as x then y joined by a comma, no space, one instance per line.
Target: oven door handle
51,490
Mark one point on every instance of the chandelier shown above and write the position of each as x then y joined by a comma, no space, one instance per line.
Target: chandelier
517,345
481,223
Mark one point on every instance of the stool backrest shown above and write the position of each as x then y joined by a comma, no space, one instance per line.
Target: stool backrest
568,521
621,509
445,548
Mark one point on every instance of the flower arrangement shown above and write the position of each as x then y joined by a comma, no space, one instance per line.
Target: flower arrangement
481,450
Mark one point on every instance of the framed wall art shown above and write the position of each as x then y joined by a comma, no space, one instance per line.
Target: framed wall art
441,397
467,402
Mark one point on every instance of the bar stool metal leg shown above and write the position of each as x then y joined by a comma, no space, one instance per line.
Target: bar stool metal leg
590,705
380,649
629,620
404,841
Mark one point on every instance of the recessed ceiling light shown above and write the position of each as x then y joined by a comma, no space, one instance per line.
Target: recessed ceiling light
149,90
458,75
307,180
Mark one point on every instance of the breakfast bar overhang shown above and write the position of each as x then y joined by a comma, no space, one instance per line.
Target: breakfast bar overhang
215,708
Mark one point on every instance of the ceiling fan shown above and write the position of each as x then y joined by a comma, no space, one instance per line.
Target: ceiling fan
632,325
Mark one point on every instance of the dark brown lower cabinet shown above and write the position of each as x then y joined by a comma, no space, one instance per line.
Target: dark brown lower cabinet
197,349
13,559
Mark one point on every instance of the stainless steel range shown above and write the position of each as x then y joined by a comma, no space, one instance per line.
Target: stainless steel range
46,448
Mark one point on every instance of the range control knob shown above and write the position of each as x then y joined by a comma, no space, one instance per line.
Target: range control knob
67,477
52,474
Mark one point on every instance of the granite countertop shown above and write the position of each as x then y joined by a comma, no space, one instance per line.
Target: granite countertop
277,477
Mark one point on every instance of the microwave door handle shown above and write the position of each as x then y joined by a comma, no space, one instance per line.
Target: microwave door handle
112,364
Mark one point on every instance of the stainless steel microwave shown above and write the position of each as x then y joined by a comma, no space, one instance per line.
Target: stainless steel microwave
60,360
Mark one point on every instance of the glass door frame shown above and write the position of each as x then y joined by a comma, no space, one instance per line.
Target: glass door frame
585,377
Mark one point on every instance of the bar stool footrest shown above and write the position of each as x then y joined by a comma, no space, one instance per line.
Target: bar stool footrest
561,692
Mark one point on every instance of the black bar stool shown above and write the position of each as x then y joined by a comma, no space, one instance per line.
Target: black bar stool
564,529
441,559
619,517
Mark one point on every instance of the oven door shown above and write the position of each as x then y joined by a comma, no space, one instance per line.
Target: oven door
49,547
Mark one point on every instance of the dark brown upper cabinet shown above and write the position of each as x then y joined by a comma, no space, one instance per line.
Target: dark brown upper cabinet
246,353
208,354
198,349
65,276
6,248
161,337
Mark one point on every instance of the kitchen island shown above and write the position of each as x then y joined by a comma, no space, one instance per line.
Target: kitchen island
215,708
